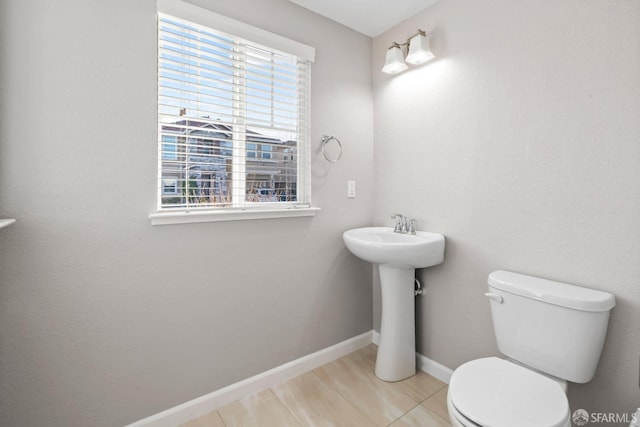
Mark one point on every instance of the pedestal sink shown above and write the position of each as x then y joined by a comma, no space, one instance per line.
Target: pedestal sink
398,255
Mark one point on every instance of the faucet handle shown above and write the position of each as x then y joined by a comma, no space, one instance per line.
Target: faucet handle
412,226
398,225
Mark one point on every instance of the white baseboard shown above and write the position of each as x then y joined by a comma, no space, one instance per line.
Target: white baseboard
375,337
210,402
433,368
425,364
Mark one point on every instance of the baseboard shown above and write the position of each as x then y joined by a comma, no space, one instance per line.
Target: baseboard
425,364
202,405
433,368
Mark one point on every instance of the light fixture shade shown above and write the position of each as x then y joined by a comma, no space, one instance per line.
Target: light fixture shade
419,51
394,62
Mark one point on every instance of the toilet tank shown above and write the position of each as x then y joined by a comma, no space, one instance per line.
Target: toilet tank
554,327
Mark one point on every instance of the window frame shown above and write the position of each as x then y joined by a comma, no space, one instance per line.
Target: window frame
219,23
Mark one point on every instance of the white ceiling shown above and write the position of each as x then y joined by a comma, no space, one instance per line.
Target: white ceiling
370,17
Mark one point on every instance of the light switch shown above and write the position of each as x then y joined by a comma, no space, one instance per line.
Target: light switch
351,189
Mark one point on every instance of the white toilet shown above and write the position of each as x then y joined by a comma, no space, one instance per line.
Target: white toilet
552,333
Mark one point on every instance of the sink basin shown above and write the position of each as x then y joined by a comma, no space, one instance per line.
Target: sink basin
398,255
380,245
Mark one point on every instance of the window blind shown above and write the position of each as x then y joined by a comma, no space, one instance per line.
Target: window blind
233,121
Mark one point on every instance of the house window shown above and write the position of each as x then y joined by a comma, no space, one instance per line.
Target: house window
170,186
233,114
252,151
169,147
266,151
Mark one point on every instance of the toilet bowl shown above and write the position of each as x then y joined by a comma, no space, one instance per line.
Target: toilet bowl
552,332
499,393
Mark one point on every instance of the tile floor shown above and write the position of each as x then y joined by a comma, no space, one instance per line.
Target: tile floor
342,393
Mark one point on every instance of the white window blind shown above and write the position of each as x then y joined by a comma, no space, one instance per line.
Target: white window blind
233,121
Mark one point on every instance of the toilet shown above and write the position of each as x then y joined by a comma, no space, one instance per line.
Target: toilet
551,333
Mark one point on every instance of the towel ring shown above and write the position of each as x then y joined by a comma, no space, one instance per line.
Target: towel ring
325,140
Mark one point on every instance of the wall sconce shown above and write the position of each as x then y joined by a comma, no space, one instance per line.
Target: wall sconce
418,52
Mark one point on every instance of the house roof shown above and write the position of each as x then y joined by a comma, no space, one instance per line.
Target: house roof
219,130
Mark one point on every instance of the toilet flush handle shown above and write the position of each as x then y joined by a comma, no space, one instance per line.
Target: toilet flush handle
495,297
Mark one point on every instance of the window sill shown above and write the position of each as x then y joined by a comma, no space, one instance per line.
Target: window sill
187,217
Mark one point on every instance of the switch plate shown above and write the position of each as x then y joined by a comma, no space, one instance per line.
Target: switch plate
351,189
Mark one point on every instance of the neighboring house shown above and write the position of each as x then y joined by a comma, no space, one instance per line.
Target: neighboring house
197,165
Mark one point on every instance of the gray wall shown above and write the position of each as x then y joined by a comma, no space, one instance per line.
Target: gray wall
105,319
520,143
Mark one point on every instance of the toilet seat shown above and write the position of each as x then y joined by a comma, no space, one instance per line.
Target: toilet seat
493,392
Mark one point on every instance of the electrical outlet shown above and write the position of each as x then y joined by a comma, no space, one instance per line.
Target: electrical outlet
351,189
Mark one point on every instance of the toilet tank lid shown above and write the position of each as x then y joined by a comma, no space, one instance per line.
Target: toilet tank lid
557,293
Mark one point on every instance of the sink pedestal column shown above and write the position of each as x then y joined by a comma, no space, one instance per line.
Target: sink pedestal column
396,358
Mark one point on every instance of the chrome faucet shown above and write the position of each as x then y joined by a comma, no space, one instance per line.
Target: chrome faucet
403,224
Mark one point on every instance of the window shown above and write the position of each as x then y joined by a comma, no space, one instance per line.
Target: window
252,150
233,114
169,147
169,186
